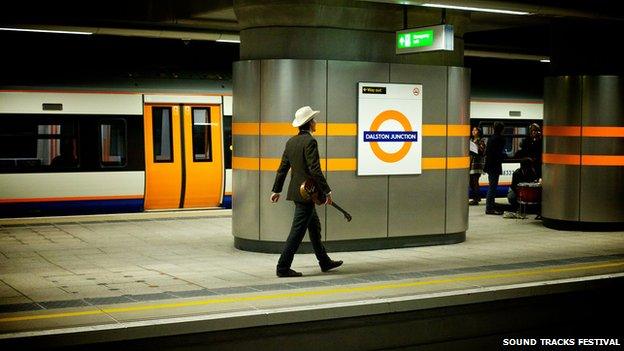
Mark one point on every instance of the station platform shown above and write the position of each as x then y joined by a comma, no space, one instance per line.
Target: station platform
68,281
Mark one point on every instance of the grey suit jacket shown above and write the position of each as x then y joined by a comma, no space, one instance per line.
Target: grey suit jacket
302,157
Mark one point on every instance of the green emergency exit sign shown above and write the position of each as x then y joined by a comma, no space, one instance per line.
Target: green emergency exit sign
415,39
432,38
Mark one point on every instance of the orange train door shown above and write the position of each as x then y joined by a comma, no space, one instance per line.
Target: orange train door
183,156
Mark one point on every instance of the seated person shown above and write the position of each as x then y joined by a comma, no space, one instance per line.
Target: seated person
525,174
66,157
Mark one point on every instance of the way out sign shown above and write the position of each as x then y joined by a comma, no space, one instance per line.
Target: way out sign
389,129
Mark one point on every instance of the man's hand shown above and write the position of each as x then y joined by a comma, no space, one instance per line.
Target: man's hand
275,197
329,200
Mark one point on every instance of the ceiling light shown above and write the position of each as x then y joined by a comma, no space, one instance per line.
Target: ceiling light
45,31
228,41
466,8
545,60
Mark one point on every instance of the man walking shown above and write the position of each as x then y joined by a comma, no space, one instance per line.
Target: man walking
302,157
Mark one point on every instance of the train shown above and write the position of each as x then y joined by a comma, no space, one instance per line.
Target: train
73,151
66,152
517,115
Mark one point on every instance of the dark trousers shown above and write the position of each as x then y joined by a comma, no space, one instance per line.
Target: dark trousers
305,218
474,186
490,199
513,200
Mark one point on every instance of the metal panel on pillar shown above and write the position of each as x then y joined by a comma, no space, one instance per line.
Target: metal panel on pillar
245,183
286,86
366,198
417,202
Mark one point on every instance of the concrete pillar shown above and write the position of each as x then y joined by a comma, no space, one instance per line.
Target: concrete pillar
296,53
584,130
339,30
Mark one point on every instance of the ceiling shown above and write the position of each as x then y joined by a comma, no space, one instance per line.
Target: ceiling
214,19
519,39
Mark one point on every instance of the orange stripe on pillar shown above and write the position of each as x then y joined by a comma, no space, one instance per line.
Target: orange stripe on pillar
605,132
246,163
458,162
268,164
433,163
339,129
591,131
283,129
345,164
459,130
431,130
585,160
602,160
341,164
562,159
245,128
562,131
342,129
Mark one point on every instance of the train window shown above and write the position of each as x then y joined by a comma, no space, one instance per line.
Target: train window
113,142
161,132
513,133
202,135
56,147
38,143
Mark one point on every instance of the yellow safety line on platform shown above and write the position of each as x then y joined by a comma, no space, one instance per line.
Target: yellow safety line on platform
308,293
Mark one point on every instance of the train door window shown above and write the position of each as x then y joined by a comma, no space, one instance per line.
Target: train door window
202,135
161,132
113,142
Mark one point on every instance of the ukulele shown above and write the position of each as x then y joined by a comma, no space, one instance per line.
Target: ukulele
309,190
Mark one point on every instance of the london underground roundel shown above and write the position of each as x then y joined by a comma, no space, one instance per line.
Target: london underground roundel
389,129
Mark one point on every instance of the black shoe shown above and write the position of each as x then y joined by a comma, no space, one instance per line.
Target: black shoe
494,212
473,203
288,274
330,265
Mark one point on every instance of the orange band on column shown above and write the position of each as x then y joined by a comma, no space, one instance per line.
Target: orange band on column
339,129
605,132
602,160
458,162
562,159
562,131
431,130
459,130
245,128
346,164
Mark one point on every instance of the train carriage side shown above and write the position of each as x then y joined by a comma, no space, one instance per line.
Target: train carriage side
70,153
227,150
64,153
518,115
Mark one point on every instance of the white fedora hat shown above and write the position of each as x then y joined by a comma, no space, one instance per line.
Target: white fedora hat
303,115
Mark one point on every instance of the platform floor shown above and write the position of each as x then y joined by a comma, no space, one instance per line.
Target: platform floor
115,270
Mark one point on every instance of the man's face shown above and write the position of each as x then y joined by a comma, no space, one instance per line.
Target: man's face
313,126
